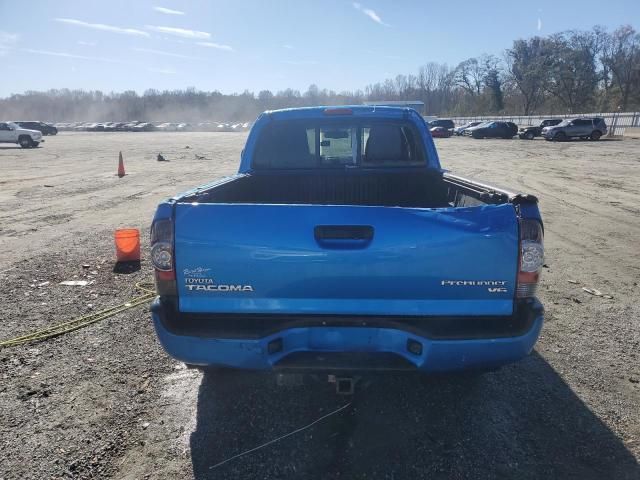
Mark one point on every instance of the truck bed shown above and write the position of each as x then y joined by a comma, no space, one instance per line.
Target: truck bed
415,189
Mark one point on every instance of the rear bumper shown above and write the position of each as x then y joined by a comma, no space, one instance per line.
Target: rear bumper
336,347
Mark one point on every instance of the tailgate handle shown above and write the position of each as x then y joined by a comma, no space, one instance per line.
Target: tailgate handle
344,233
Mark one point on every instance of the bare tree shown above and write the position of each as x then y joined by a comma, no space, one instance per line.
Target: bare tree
265,99
401,86
446,83
623,59
573,76
469,75
426,83
527,63
312,94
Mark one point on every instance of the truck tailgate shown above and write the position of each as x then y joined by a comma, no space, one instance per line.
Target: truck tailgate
289,259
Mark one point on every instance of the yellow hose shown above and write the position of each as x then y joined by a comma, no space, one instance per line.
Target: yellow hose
80,322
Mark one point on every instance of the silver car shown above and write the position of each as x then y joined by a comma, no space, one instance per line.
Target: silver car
584,128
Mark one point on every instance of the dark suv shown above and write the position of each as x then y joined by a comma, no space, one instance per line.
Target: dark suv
442,122
493,130
585,128
530,132
42,127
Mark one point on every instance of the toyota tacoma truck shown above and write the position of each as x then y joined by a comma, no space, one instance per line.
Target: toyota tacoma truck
12,133
342,244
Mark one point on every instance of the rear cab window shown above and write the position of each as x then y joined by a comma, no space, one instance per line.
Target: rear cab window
299,144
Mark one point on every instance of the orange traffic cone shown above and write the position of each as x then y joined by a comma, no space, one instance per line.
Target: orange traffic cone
120,166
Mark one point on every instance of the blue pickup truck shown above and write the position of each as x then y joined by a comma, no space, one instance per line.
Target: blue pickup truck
341,244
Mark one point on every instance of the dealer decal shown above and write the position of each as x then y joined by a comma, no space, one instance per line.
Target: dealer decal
493,286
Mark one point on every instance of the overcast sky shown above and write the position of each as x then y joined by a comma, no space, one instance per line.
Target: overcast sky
233,45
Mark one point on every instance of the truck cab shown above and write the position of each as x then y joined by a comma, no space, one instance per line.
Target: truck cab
343,244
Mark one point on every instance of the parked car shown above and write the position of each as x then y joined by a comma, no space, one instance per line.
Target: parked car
300,263
128,127
66,126
530,132
493,130
13,133
95,127
585,128
206,127
167,127
143,127
440,132
442,122
44,128
460,130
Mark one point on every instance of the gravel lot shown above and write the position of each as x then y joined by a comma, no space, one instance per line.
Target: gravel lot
106,401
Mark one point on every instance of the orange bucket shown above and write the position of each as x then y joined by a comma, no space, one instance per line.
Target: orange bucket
127,244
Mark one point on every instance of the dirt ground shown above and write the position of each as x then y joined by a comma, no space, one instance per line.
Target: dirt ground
106,401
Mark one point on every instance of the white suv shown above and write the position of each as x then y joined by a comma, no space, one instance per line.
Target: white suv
12,133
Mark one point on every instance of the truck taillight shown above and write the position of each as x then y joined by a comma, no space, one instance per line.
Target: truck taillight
162,256
531,257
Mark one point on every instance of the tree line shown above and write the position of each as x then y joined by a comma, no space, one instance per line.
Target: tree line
563,73
568,72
